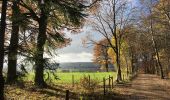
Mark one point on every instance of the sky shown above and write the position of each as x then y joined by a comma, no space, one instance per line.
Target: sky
76,52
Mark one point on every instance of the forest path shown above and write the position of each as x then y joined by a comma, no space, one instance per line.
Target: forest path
146,87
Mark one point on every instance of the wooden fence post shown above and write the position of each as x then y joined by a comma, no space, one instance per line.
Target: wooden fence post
109,82
67,95
104,86
89,80
73,80
123,77
112,82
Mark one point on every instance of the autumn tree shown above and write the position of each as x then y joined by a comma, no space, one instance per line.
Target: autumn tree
110,21
162,18
101,53
150,28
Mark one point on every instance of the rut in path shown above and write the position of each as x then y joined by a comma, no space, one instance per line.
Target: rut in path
146,87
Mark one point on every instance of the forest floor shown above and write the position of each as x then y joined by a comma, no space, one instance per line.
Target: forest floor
145,87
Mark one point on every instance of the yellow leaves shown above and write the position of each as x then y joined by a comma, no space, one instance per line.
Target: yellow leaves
102,62
112,55
123,50
113,41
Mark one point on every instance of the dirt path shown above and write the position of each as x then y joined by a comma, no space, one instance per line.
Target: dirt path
146,87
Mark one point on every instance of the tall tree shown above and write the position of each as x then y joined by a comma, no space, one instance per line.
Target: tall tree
151,30
13,47
110,21
39,61
100,54
162,17
2,34
66,14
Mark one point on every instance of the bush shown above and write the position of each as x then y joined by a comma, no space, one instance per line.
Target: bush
88,84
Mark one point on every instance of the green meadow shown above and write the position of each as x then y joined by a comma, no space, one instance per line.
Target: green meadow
66,77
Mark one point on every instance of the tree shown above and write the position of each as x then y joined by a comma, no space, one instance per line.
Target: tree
65,14
13,47
125,56
150,25
101,54
162,18
50,22
110,22
2,34
136,43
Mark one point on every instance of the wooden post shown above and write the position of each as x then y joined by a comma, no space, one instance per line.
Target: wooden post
123,77
73,80
67,95
89,80
109,82
104,86
112,82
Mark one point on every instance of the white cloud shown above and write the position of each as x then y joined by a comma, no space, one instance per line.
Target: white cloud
75,57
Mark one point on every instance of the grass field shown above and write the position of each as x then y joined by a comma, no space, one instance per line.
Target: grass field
66,77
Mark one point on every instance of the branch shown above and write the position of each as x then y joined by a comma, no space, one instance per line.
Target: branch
32,13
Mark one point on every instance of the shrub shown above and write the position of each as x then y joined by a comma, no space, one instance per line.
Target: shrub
87,84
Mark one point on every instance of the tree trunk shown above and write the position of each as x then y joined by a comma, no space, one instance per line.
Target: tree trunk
1,87
160,65
106,59
41,39
155,44
156,51
107,66
157,68
12,53
133,63
127,67
119,73
119,76
2,34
